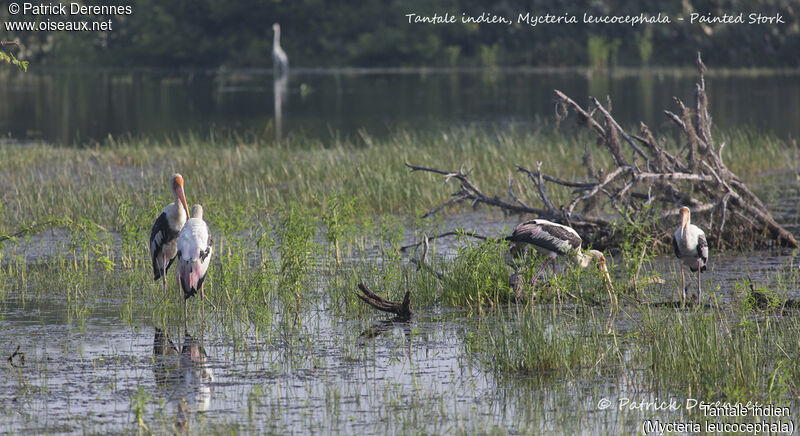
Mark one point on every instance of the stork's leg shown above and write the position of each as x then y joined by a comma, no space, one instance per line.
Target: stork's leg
164,274
183,297
536,277
558,290
203,300
699,294
683,287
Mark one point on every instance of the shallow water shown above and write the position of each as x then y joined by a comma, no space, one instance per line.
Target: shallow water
90,365
318,373
98,372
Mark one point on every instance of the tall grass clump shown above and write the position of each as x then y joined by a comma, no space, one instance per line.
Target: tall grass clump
709,357
297,250
636,249
538,343
344,218
478,276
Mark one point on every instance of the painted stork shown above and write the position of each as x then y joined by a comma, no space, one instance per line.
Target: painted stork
164,234
194,255
280,62
691,249
553,240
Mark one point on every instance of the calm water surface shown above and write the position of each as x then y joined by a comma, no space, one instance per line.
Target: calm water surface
75,107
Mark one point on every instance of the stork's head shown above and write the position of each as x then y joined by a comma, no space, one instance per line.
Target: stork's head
600,261
276,27
177,191
197,211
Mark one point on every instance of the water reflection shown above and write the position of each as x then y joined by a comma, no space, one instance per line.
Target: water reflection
386,325
67,107
185,377
280,89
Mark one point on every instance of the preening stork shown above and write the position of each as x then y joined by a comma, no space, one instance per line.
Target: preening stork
553,240
691,248
165,231
194,255
280,62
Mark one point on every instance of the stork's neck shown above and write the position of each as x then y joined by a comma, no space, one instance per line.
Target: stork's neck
276,39
686,220
179,212
582,258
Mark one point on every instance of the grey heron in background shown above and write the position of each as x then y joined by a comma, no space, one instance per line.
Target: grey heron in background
280,62
280,83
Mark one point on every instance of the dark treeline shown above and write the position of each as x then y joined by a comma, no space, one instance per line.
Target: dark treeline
376,33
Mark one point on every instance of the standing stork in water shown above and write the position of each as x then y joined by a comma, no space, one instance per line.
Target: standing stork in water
691,249
164,234
553,240
280,62
194,255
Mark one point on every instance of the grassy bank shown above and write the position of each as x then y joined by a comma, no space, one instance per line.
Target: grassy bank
238,177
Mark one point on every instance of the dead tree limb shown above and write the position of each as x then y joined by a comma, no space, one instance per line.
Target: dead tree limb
693,175
402,309
443,235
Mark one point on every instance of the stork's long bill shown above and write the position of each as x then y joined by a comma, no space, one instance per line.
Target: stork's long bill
604,268
685,217
585,257
177,189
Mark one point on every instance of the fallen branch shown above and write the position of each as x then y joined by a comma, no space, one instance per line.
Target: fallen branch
402,309
19,355
634,191
443,235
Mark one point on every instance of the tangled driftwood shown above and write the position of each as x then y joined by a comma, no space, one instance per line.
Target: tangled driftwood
647,182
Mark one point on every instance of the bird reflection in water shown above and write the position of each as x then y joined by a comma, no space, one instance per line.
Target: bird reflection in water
280,89
185,377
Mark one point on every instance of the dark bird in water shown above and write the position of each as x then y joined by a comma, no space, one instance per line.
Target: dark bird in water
165,231
553,240
691,248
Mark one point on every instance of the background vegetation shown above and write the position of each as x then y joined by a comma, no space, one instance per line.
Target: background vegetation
376,33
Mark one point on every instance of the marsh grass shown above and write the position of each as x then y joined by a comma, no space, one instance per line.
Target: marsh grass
243,177
293,237
709,355
478,276
539,344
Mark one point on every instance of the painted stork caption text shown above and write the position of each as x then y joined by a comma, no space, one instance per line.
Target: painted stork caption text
533,20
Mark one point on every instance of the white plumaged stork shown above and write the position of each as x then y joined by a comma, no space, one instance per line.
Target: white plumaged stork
165,231
691,248
553,240
194,255
280,62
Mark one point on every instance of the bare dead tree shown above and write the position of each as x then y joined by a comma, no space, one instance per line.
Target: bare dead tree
645,181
